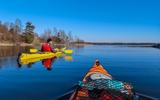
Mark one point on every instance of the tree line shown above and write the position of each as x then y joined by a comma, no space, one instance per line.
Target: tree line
15,33
60,36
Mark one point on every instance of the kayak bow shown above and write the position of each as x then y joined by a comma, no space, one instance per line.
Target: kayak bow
98,84
98,77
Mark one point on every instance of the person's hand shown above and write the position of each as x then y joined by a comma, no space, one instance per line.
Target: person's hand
54,51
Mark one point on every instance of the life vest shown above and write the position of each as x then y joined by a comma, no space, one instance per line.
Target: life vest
47,63
46,48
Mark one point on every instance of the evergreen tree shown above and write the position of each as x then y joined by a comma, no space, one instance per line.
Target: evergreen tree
29,32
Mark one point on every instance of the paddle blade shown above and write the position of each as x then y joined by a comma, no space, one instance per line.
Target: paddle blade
68,58
33,50
56,49
64,48
68,51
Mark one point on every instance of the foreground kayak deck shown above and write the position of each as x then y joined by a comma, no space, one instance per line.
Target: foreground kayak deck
98,72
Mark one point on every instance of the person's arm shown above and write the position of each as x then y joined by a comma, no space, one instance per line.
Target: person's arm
52,50
42,48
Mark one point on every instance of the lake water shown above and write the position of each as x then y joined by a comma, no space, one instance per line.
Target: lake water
139,66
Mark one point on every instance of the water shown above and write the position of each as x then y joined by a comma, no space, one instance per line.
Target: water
139,66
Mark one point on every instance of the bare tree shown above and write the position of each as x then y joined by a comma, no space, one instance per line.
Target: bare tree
55,31
70,37
47,34
18,26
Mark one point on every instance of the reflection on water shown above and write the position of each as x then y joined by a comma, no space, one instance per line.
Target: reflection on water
33,60
68,58
47,63
7,51
32,81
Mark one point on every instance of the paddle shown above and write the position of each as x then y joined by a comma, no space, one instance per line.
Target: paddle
33,50
66,51
68,58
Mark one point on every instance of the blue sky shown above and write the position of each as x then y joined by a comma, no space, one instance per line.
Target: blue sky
91,20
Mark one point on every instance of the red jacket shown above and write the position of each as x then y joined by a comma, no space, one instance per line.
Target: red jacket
46,48
47,63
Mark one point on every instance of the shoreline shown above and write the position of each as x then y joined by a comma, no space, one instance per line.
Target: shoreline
153,45
15,44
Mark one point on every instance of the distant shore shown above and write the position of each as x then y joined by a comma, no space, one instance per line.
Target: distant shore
154,45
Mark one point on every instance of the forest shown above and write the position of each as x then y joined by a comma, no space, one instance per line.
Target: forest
16,32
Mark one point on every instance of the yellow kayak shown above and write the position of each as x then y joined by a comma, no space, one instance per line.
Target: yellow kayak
28,61
34,55
44,55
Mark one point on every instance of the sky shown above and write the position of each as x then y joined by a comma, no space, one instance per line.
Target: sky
91,20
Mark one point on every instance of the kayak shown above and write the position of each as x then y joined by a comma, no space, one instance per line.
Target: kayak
43,55
98,84
29,61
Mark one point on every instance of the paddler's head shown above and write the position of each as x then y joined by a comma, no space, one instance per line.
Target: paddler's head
49,40
97,62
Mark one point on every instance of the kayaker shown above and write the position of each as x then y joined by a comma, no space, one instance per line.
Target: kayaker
46,47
